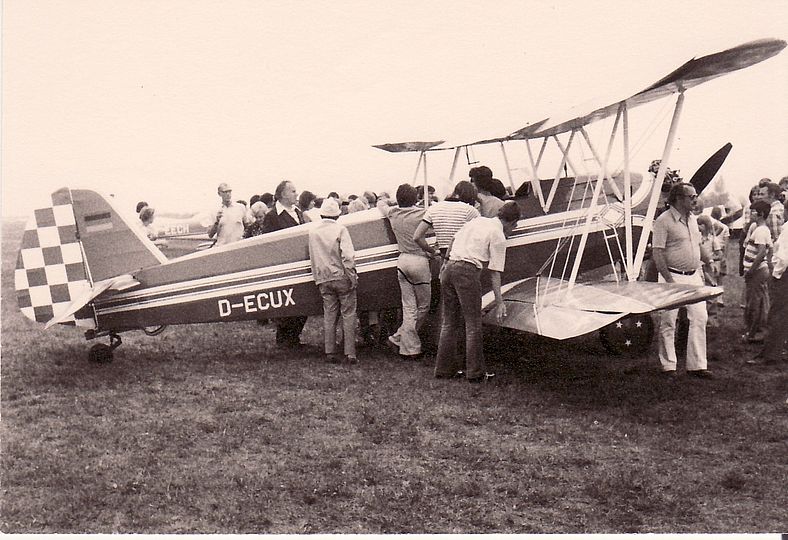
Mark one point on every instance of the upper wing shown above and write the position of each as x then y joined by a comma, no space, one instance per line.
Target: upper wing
549,308
692,73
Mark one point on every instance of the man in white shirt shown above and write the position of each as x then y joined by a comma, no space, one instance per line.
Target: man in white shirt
478,244
231,218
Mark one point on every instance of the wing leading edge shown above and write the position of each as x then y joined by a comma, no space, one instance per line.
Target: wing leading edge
552,310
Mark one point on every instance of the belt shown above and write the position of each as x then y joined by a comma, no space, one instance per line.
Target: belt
681,272
451,261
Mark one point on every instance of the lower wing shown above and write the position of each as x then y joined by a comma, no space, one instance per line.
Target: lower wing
548,307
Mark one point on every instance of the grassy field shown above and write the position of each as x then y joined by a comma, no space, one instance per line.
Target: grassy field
209,429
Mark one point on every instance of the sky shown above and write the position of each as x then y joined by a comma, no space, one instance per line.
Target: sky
160,100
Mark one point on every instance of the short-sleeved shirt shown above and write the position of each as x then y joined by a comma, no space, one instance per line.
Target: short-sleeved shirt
481,241
446,218
232,223
680,238
780,255
775,219
757,237
489,205
404,222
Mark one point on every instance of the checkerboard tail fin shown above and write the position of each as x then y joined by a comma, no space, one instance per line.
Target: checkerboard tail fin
51,270
74,250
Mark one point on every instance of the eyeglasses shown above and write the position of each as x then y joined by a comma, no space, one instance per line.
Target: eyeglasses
691,197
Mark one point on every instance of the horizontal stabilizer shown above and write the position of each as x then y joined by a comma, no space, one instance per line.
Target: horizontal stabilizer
556,311
119,283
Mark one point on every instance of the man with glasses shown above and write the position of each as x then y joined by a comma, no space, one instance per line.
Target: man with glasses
676,247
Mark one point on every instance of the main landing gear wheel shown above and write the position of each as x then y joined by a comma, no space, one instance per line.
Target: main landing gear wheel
103,354
631,335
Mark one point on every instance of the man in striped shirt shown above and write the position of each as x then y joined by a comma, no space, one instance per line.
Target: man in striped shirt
756,270
446,217
770,193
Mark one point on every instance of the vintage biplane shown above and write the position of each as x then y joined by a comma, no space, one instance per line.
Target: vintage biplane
83,263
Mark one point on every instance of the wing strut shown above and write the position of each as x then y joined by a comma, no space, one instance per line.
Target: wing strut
657,186
537,187
613,184
454,166
560,168
631,276
592,207
423,161
508,169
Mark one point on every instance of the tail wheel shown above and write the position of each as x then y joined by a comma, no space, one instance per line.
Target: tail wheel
103,354
631,335
100,353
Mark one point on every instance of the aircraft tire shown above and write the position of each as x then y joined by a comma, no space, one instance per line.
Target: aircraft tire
629,336
100,353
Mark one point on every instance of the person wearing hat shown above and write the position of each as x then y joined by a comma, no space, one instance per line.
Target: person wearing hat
231,218
332,257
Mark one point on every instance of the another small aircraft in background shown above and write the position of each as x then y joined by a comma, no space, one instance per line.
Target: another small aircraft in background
83,263
184,235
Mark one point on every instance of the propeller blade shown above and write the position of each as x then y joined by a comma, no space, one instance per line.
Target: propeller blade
706,172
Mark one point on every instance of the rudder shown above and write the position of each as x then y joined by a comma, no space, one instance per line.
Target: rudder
68,247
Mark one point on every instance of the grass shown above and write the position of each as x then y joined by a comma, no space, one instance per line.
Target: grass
209,429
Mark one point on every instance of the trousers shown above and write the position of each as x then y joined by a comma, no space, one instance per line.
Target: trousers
339,299
461,298
413,273
777,325
756,306
696,340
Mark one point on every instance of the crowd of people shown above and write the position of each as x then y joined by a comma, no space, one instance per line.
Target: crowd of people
691,247
470,228
764,256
